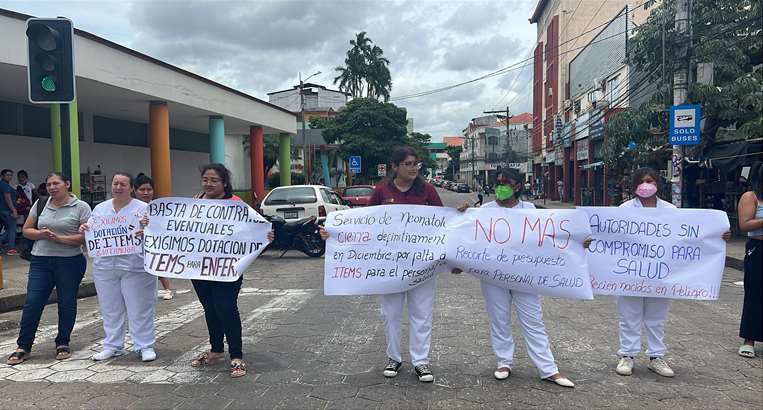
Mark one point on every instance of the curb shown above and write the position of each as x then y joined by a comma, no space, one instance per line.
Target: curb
16,302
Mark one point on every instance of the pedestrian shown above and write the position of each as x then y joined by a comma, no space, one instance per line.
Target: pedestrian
750,212
122,283
499,301
560,190
480,198
637,311
405,186
26,195
220,299
57,262
8,212
144,190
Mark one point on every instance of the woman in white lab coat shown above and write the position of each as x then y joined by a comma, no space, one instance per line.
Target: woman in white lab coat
498,302
123,286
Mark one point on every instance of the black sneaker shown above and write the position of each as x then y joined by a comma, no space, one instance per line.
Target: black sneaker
425,375
392,367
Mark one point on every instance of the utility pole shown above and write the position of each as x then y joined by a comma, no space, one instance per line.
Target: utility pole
304,124
508,118
680,93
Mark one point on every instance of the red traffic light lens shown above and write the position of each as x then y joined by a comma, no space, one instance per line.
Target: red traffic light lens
47,62
44,36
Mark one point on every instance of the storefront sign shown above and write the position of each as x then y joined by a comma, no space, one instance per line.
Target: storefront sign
581,126
559,155
581,149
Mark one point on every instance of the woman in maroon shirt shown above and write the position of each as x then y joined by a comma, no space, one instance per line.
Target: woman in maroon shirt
405,186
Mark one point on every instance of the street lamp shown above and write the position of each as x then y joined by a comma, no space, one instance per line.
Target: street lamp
304,125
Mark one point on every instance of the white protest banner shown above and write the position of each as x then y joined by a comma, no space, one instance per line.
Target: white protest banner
651,252
113,235
204,239
531,250
384,249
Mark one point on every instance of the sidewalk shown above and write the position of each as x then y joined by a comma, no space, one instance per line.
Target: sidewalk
15,270
734,247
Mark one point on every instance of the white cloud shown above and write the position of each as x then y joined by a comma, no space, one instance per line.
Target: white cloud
260,46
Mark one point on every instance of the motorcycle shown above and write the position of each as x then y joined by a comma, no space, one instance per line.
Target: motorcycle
302,234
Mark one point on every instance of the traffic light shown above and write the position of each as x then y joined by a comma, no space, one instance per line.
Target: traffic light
50,63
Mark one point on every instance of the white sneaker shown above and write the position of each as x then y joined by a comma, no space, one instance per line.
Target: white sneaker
660,366
502,373
107,354
625,367
148,355
167,294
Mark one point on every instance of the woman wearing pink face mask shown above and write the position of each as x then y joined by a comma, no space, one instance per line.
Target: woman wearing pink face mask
636,311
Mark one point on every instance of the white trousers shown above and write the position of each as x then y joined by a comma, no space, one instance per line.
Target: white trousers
123,293
420,305
635,311
498,302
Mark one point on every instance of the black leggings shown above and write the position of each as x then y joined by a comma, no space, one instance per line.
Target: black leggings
220,302
751,326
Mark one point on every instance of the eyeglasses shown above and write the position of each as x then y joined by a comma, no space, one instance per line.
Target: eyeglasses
211,181
410,164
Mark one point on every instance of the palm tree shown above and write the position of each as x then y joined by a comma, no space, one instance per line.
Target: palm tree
365,70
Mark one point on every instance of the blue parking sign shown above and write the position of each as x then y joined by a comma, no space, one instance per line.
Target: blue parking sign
355,164
684,125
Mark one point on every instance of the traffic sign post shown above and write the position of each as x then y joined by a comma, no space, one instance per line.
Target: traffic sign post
355,164
684,125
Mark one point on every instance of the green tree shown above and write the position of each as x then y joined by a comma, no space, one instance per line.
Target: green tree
270,153
454,164
726,33
368,128
365,71
419,142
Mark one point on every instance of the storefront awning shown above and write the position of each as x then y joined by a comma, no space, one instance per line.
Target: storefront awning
592,165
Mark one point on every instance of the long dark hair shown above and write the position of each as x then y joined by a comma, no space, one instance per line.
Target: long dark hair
640,173
224,174
399,155
756,179
512,174
142,179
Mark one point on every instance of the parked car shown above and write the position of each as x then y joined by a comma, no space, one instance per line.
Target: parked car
357,195
300,201
462,187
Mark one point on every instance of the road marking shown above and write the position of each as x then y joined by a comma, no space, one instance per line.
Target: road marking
81,368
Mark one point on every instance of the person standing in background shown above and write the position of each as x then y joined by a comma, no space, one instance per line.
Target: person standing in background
8,212
144,190
750,211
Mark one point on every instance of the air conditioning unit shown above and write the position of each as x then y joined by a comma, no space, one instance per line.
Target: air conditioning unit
550,91
567,104
598,83
577,107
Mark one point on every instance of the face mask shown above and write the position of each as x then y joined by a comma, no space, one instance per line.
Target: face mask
503,192
646,190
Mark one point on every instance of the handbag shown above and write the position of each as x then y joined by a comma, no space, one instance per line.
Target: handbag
26,252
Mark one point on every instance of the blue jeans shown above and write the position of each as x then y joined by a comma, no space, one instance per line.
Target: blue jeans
45,273
7,220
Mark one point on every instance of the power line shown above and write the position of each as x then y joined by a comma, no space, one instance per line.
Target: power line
513,66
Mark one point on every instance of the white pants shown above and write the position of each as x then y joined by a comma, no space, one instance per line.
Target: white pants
635,311
498,302
132,293
420,306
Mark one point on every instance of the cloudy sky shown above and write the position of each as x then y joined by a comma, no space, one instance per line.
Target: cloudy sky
261,46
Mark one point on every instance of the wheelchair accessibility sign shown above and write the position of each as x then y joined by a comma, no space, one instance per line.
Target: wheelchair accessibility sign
684,125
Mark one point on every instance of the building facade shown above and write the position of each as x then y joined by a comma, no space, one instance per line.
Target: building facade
564,27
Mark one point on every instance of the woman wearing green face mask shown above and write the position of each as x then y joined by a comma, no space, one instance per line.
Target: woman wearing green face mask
498,302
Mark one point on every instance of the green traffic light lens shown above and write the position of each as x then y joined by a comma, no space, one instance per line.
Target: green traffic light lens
48,84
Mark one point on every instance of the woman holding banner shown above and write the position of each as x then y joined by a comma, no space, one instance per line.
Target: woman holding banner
220,299
405,186
498,302
123,285
751,220
144,190
57,262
